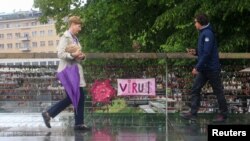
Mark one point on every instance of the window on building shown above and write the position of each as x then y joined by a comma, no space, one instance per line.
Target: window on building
9,46
1,46
26,44
50,32
42,43
50,21
18,63
50,43
34,44
42,33
7,25
35,63
9,35
26,34
1,26
34,33
43,63
12,25
17,35
50,62
57,42
33,23
18,45
1,36
10,64
26,63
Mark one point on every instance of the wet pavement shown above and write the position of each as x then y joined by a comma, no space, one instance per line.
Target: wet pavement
105,127
109,127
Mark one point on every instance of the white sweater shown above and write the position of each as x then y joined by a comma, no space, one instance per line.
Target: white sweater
66,58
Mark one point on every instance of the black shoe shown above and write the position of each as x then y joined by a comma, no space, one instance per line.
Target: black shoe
46,119
188,116
81,127
220,118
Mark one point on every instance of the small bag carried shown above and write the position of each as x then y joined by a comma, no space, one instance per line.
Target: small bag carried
72,48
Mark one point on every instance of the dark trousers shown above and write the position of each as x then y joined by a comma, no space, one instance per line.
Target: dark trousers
214,79
64,103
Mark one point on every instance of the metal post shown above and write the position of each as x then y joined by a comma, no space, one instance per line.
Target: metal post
166,85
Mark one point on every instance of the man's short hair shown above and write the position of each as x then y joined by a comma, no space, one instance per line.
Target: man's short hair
75,20
202,19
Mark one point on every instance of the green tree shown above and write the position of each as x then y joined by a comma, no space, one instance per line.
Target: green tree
152,25
228,17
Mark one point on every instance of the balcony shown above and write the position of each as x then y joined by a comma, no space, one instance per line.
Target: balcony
24,38
25,49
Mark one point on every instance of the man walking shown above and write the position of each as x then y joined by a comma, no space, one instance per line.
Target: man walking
206,70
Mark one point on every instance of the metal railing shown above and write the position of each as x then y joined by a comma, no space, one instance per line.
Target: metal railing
32,88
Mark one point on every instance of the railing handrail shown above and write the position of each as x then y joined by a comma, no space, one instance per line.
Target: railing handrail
179,55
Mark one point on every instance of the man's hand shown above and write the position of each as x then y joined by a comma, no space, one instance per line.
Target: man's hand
191,51
194,71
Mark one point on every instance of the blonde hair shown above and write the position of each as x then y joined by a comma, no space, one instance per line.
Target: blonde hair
75,20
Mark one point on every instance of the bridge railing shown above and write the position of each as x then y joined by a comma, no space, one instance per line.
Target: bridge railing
32,88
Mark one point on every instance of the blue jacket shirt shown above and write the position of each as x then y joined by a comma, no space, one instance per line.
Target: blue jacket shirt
208,57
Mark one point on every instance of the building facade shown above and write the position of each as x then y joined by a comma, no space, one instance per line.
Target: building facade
22,32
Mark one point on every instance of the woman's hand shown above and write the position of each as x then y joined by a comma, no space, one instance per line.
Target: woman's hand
81,56
77,53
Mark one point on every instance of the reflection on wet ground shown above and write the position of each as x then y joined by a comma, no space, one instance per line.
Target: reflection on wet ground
101,134
105,127
111,127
